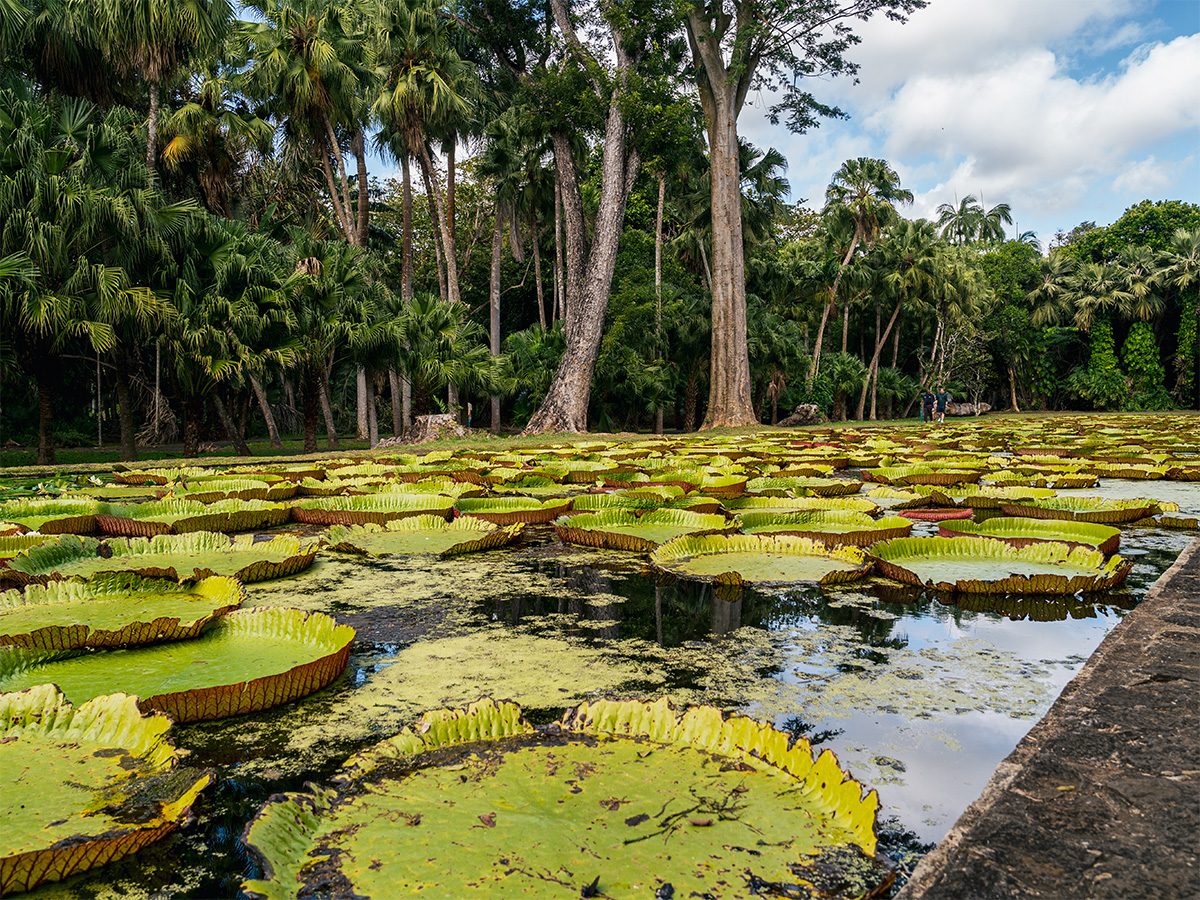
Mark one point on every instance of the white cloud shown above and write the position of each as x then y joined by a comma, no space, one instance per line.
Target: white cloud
990,96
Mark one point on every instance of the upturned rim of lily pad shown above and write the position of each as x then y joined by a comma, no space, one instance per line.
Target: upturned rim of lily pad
285,833
890,557
219,595
672,556
478,535
110,725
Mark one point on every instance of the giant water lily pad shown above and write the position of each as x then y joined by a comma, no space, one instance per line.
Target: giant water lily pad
250,660
175,556
799,504
57,515
113,611
1021,532
984,565
370,508
830,527
180,516
423,534
510,510
13,544
213,489
1083,509
82,786
760,559
618,529
621,800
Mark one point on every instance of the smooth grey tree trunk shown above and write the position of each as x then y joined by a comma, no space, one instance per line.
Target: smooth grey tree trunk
372,414
395,392
721,97
658,248
231,430
361,399
537,270
268,416
494,305
327,409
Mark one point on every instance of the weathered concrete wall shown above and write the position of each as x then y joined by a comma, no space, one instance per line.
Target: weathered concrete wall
1102,797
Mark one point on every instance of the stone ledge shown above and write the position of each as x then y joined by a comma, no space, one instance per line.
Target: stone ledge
1102,797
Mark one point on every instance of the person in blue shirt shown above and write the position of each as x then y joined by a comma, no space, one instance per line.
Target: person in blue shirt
943,399
927,406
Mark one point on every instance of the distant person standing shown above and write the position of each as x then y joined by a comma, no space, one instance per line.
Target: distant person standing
943,399
927,406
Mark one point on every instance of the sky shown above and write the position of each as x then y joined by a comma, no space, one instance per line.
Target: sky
1067,110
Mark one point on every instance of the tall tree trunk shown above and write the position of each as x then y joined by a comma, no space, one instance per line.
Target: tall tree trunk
46,392
729,384
239,444
395,392
193,409
559,287
268,416
896,345
406,291
691,398
1012,388
443,290
442,223
327,408
494,305
361,395
537,269
313,393
364,199
451,146
152,129
121,383
814,367
372,415
658,247
873,369
845,323
586,296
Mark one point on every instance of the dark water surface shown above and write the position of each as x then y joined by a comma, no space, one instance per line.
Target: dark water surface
919,699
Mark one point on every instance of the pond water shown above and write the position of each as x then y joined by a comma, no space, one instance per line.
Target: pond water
919,699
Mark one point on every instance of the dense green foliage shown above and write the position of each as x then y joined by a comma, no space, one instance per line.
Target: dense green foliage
195,249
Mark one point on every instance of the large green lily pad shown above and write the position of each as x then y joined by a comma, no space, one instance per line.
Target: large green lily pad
759,558
985,565
1019,531
56,515
175,556
13,544
370,508
113,611
1083,509
510,510
82,786
249,661
799,504
180,516
830,527
619,529
626,798
423,534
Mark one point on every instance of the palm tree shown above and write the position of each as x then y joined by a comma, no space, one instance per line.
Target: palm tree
970,223
1096,290
62,202
862,196
210,140
908,268
1050,299
306,62
1181,270
1142,278
846,374
152,39
425,88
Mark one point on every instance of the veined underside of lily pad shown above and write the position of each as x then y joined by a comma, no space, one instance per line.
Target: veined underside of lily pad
423,534
1021,532
986,565
113,611
177,556
830,527
511,510
56,515
628,796
1084,509
626,530
181,516
250,660
82,786
763,559
375,509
